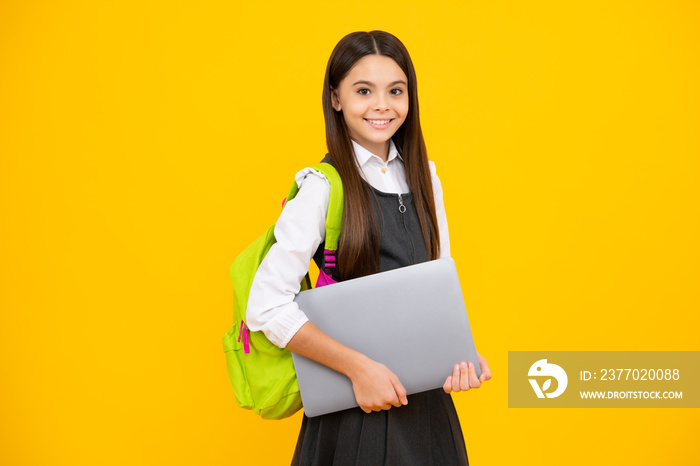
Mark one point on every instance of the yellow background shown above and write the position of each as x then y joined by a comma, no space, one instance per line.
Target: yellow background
144,144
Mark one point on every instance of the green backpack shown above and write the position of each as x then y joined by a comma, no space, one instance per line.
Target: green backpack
262,374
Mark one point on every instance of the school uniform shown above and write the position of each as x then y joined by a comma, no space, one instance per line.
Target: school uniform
427,430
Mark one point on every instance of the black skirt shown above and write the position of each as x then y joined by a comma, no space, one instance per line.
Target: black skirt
425,432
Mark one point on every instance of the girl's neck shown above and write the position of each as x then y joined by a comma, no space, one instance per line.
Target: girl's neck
381,150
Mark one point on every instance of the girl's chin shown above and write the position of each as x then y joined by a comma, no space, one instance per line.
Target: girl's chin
374,144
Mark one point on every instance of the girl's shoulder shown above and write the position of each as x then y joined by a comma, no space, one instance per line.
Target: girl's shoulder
433,171
437,184
308,176
314,191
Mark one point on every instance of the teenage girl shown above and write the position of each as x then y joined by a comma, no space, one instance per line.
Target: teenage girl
375,142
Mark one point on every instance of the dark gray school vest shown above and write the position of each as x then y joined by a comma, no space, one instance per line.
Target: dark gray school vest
401,241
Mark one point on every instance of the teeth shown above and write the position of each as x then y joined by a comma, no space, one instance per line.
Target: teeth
379,122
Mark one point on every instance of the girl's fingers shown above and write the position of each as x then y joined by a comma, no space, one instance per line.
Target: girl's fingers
485,371
485,374
448,385
464,376
400,393
455,379
377,388
474,381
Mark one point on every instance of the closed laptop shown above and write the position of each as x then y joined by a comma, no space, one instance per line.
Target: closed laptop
411,319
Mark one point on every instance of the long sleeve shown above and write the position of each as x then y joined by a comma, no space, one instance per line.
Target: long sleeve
440,212
299,231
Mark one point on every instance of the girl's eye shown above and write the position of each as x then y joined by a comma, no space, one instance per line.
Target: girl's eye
363,91
396,91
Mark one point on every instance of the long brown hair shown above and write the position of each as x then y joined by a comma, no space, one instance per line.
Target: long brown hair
358,251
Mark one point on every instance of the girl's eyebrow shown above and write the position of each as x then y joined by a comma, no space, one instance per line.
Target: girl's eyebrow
372,84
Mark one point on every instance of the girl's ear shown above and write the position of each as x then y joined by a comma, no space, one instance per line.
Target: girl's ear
335,101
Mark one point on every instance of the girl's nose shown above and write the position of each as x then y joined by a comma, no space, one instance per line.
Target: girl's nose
381,106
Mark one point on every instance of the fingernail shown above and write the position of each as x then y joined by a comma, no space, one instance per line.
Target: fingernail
463,364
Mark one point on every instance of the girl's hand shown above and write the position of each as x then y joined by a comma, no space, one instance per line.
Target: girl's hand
464,376
376,387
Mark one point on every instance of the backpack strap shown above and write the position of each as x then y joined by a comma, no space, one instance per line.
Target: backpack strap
334,218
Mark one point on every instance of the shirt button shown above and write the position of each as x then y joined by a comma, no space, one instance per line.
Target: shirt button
383,170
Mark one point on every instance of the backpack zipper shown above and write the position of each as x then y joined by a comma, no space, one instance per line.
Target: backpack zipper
243,333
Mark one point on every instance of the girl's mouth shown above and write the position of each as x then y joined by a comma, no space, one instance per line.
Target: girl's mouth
379,124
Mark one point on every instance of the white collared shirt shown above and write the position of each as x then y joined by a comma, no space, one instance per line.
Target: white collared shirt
301,228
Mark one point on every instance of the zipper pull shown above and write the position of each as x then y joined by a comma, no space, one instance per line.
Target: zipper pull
243,333
402,208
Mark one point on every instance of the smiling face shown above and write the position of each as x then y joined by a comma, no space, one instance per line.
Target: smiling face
373,97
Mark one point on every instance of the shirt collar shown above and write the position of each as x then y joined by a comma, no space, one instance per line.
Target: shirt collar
363,156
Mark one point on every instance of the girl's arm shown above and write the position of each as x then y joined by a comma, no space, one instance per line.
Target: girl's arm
299,231
375,386
463,374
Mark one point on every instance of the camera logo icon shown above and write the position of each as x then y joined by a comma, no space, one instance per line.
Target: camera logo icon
543,369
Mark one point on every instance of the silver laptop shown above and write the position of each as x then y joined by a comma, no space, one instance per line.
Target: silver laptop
411,319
